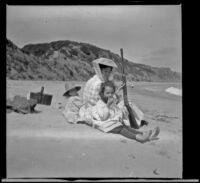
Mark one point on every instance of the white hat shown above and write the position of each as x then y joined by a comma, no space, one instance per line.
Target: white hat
68,88
104,61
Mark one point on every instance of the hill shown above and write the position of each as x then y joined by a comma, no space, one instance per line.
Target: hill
70,60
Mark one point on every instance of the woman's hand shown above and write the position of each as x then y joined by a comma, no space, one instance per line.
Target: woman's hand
118,98
118,90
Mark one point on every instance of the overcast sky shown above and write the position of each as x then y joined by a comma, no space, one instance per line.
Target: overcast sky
149,34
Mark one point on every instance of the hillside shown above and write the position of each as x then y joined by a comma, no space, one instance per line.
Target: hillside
69,60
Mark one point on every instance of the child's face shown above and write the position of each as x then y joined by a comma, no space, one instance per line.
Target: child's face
73,93
108,92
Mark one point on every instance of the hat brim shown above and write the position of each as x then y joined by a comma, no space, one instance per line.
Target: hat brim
105,61
77,88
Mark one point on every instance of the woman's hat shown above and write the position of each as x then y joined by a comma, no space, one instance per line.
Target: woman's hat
69,88
102,61
105,61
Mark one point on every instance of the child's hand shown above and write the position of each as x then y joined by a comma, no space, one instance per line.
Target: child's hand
110,101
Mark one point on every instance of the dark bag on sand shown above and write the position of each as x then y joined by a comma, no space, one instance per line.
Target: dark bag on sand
21,105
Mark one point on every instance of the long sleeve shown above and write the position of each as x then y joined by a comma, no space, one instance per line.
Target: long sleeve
91,91
94,95
71,112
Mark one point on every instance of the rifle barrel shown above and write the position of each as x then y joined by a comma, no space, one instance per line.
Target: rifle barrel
133,122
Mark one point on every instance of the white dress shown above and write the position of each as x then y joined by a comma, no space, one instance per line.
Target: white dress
71,112
102,117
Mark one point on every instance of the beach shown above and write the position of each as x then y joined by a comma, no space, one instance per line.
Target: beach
44,145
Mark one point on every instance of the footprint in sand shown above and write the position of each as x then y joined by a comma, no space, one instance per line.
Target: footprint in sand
123,140
132,156
126,167
155,171
163,153
152,143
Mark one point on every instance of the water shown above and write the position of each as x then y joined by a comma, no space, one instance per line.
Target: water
162,90
174,91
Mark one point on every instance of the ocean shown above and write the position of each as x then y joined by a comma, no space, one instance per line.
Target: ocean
174,91
164,90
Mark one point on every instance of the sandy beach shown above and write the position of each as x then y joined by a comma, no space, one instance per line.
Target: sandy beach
44,145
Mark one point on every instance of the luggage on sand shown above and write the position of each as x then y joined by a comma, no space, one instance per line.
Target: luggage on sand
44,99
21,105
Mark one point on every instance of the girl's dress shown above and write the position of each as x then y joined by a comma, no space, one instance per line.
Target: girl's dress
72,107
102,117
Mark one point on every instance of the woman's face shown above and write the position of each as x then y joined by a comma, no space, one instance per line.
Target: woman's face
106,72
108,92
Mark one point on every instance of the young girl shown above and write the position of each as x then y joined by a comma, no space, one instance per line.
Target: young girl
108,117
74,102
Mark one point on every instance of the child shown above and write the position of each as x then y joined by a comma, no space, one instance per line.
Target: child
108,117
74,102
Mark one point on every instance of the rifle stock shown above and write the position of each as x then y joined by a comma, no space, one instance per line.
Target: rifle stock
131,116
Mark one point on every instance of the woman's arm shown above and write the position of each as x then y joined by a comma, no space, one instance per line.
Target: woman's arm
93,95
119,89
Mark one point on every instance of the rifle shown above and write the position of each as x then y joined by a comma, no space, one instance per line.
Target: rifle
131,116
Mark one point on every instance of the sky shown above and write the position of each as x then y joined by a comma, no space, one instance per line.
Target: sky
148,34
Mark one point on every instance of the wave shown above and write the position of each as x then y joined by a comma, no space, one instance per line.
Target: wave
174,91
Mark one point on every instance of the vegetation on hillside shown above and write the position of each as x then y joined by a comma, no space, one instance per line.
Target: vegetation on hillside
69,60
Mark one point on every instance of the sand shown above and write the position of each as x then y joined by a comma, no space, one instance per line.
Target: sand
44,145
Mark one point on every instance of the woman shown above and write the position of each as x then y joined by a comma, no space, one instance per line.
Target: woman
103,68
